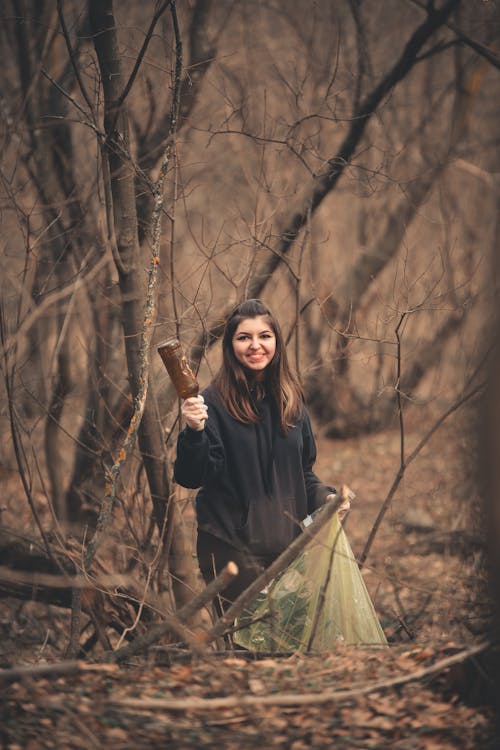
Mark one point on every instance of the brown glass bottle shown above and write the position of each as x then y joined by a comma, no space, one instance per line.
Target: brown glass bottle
178,368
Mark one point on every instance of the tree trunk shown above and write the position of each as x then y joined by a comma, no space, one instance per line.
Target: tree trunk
107,409
118,166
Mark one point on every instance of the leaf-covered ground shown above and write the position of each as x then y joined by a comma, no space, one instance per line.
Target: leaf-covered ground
425,575
154,705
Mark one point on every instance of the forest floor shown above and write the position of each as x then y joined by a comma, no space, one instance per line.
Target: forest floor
425,576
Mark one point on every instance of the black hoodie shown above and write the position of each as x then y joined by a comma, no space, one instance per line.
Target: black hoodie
256,483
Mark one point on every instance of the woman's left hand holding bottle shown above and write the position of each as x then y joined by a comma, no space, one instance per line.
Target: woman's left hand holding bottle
194,410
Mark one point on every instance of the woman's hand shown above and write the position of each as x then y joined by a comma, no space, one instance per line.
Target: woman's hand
194,411
345,507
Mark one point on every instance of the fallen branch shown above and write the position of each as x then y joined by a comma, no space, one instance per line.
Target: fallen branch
186,704
30,578
36,580
15,674
174,622
29,560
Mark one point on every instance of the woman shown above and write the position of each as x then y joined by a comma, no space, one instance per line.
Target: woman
249,445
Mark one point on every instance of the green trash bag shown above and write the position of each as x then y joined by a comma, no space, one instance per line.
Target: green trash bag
318,602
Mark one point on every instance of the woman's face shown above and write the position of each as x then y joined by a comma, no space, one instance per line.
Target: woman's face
254,343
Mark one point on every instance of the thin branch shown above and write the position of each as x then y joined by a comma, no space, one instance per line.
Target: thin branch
68,96
323,184
460,402
174,622
52,670
73,647
138,62
466,39
112,144
437,50
187,703
398,391
71,54
53,298
399,476
108,583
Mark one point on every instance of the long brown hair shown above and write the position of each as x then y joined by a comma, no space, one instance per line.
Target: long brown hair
280,382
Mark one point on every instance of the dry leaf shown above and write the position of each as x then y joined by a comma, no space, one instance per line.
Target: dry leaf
256,686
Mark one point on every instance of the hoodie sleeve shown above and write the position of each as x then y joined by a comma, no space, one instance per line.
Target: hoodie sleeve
200,455
317,492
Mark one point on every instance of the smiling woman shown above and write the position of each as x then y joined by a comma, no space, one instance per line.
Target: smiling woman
248,444
254,344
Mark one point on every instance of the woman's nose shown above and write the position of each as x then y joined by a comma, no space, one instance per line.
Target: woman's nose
254,344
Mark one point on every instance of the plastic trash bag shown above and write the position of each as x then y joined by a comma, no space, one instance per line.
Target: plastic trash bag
318,602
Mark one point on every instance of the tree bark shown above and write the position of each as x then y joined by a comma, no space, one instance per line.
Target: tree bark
122,194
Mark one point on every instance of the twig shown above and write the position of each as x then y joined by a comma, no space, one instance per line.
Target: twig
74,630
299,699
139,59
399,476
398,391
71,54
47,670
466,39
142,604
52,298
174,622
